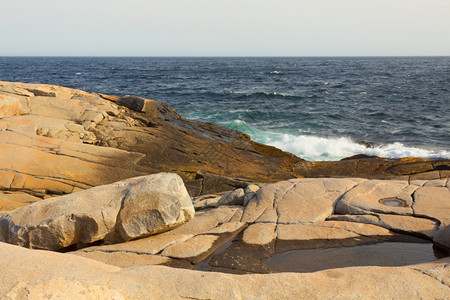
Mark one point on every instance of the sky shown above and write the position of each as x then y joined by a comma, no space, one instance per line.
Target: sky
225,28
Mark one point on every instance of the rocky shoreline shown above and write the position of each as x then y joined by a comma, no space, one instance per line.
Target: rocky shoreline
74,178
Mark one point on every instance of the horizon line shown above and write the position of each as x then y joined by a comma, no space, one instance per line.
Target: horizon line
226,56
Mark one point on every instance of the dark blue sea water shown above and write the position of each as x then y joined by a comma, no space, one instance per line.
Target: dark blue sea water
316,108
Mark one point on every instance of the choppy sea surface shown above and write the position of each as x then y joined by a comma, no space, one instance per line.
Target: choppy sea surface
323,108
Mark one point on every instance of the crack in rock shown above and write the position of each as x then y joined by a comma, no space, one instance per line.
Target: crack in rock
441,281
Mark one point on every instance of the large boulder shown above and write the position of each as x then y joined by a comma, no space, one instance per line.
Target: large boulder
120,211
139,104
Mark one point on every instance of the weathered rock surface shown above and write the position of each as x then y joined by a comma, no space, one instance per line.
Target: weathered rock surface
284,216
250,193
422,207
231,240
149,245
370,196
206,201
297,201
235,197
39,275
195,249
328,234
131,259
397,223
121,211
442,238
260,234
68,140
147,106
56,140
11,201
433,202
189,243
377,168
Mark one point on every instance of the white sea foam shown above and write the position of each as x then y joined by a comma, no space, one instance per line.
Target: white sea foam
316,148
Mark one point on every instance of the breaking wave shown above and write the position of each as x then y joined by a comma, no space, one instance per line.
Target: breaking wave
316,148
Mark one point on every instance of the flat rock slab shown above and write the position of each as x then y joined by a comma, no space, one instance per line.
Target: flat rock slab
38,274
297,201
12,201
199,247
328,234
398,223
368,197
194,249
148,245
260,234
206,201
130,259
437,183
433,202
386,200
207,220
264,200
121,211
230,227
45,165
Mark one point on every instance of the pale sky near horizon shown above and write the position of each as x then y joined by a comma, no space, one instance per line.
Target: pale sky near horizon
225,28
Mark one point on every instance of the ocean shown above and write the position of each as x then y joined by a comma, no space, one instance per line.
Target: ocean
318,108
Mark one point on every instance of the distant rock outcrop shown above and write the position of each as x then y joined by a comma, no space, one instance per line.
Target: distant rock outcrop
56,140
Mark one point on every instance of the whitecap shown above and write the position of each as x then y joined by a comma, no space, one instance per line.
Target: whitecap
315,148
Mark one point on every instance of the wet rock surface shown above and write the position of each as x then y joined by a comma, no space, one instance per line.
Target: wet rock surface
381,254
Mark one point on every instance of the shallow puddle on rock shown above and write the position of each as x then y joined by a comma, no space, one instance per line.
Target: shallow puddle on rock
382,254
204,265
395,202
